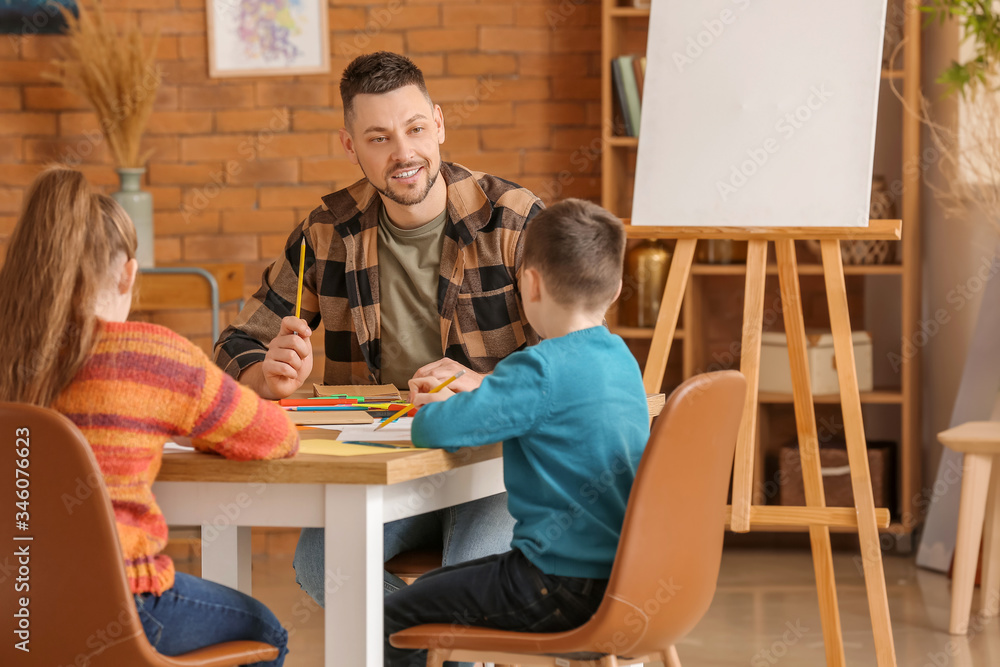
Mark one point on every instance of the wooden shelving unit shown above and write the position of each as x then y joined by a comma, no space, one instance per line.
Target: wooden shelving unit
641,332
804,270
877,396
623,32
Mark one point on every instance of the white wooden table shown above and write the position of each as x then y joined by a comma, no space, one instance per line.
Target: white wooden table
351,497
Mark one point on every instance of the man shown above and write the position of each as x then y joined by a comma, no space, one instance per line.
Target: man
413,271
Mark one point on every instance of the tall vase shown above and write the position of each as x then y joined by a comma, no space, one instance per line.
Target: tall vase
645,276
139,205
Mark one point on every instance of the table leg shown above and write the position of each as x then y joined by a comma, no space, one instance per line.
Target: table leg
354,554
226,556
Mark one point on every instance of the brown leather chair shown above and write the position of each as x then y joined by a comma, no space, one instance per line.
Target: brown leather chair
79,607
668,557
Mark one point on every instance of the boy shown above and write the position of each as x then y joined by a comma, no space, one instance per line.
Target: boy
573,417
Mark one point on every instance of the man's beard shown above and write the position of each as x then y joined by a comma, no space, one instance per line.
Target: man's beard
406,199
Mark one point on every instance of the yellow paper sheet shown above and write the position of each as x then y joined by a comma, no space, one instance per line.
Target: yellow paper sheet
327,447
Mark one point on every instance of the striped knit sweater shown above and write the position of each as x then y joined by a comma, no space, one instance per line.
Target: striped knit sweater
142,385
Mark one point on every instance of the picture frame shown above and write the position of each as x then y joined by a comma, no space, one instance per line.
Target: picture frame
34,17
267,37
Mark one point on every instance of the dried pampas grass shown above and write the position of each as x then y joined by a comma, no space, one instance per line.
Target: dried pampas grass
117,74
969,157
966,151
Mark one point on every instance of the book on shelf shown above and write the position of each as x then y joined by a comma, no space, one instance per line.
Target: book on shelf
639,67
631,88
618,83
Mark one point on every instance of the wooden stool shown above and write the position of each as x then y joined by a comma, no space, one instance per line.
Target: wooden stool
980,442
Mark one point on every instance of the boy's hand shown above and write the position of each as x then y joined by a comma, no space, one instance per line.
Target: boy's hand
442,369
288,362
420,391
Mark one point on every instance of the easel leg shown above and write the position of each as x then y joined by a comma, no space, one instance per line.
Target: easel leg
760,455
857,454
753,322
693,353
666,319
812,478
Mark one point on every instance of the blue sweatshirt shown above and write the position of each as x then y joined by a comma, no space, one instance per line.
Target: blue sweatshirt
572,415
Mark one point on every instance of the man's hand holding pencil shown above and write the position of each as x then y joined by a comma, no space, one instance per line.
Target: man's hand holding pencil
289,358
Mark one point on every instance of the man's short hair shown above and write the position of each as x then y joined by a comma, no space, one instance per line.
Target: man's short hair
578,247
375,74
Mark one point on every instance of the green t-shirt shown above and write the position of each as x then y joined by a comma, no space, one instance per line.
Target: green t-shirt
409,262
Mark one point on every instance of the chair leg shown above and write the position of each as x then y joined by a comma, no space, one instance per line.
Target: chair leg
671,657
436,657
990,592
972,508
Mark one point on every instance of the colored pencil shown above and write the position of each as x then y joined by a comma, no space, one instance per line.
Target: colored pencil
302,271
323,408
375,444
290,402
409,406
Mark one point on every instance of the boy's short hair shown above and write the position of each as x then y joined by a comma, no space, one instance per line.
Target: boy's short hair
375,74
578,247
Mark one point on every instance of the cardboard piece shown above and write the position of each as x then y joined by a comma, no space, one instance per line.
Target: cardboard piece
386,391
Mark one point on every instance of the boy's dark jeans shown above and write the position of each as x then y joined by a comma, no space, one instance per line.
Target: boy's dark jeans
504,591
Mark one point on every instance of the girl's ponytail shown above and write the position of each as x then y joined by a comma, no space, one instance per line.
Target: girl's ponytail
58,260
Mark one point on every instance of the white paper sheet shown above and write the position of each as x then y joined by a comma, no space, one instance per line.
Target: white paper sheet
397,431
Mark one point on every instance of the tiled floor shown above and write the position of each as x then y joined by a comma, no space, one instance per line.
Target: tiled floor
764,615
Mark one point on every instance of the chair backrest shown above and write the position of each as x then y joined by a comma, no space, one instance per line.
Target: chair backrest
64,586
668,558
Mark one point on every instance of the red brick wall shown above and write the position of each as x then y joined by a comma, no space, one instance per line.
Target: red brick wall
239,161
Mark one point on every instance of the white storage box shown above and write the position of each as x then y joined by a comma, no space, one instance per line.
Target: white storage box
776,373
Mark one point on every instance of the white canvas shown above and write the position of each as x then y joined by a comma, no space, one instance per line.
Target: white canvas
759,113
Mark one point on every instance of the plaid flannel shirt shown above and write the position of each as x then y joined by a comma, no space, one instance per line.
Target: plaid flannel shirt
479,306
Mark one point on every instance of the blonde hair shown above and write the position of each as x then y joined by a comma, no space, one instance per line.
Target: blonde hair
59,259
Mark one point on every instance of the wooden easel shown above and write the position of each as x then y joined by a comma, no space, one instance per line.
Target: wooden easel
744,516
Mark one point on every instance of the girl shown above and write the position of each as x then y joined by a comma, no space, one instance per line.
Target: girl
129,387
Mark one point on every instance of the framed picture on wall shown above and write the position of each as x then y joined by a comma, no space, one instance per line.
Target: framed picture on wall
262,37
34,17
